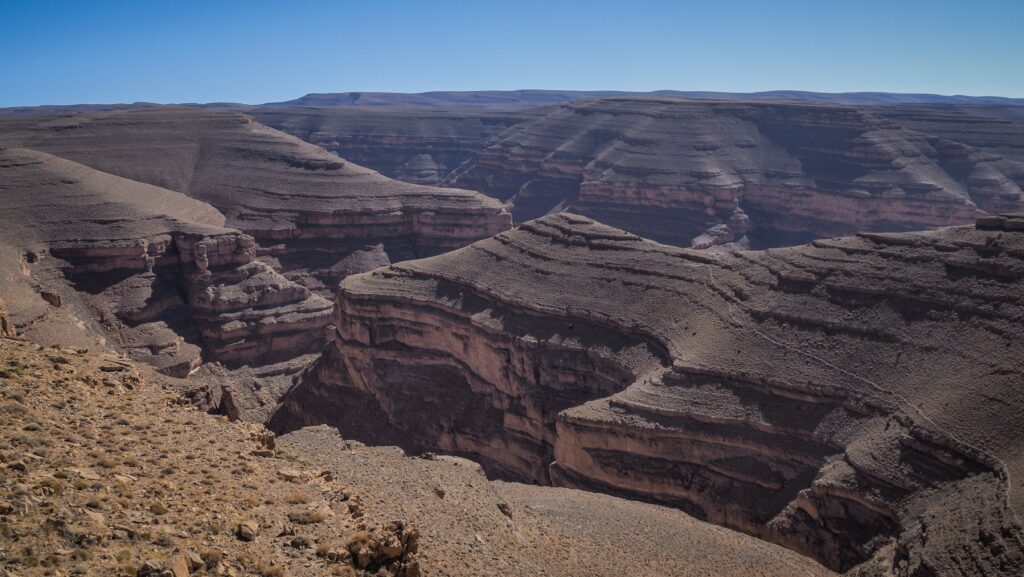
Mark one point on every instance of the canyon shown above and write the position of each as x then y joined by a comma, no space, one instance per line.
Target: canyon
203,241
670,333
832,398
698,173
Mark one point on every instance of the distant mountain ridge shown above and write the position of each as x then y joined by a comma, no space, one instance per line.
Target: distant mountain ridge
522,99
531,98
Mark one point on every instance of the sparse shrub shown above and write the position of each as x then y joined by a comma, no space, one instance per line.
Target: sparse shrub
298,498
267,570
307,517
210,557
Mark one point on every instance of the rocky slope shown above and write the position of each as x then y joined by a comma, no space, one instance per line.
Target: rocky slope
307,209
703,173
153,270
856,400
105,472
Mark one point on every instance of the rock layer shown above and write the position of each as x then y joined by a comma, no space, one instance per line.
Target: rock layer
306,208
672,170
855,399
166,280
419,146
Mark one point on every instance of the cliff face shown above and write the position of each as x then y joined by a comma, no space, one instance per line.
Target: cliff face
307,209
700,173
835,398
167,281
419,146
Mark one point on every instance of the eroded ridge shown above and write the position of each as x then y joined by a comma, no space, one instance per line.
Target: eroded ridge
704,173
309,210
97,259
855,399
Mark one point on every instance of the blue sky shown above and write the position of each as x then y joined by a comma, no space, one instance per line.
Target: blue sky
183,51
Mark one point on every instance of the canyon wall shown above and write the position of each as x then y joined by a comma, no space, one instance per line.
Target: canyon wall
308,210
856,399
419,146
700,173
166,280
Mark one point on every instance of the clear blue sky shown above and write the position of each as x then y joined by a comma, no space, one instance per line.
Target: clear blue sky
99,51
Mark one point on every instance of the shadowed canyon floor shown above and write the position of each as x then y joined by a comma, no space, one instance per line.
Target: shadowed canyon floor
855,399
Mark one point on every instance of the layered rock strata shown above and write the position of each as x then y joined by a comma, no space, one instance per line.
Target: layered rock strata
856,399
163,276
419,146
306,208
679,171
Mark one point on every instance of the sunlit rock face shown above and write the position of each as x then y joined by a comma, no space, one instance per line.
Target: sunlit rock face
835,398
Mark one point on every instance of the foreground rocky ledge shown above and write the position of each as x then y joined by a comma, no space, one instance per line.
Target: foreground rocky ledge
856,400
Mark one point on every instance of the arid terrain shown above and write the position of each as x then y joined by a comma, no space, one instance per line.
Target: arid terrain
516,333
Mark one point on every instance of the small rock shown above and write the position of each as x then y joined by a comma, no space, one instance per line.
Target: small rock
290,475
288,531
114,368
150,567
247,530
263,453
195,562
303,542
178,565
86,473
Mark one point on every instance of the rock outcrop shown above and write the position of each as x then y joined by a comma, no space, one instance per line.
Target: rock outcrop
6,324
158,271
306,208
699,173
856,399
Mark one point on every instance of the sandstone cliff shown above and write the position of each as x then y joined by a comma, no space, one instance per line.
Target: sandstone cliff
856,399
306,208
